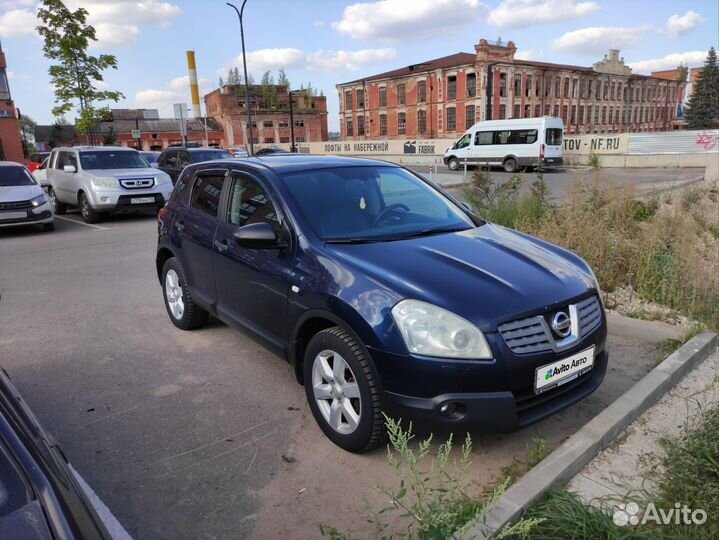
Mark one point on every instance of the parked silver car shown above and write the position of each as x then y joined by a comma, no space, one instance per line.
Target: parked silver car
104,179
22,200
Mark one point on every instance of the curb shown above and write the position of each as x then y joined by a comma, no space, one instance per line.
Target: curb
566,461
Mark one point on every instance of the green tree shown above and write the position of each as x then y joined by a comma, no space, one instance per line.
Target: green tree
74,73
703,108
109,138
27,128
282,79
269,91
221,83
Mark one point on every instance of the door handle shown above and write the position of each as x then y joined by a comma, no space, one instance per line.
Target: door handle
221,246
180,226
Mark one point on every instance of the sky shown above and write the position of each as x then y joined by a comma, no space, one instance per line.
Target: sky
326,42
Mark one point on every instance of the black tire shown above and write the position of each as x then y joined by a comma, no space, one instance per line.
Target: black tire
60,208
453,164
89,215
370,431
47,227
193,316
510,165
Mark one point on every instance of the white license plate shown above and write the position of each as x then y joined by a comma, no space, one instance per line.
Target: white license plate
142,200
12,215
563,371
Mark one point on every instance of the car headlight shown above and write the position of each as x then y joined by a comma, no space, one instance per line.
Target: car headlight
104,182
39,200
163,178
432,331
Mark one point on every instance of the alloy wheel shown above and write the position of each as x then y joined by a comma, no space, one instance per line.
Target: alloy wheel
336,392
173,293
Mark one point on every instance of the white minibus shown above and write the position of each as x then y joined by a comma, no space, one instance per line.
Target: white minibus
512,144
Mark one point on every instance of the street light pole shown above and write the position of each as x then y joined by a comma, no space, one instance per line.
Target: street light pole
244,65
293,148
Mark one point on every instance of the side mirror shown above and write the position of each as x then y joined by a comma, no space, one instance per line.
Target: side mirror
70,168
258,236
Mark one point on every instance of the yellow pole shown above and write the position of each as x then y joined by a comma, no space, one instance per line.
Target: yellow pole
194,90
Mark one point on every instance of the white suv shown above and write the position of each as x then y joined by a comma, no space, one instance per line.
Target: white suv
104,179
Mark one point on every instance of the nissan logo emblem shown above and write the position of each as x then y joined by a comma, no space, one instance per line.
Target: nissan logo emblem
561,324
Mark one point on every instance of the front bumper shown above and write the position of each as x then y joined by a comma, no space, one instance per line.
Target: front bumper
499,411
33,216
123,201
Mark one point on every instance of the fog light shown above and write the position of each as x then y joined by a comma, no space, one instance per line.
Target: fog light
447,409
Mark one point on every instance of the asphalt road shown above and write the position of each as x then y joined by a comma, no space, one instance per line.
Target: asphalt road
182,434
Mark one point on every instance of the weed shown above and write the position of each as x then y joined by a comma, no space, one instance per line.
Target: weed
430,498
593,161
538,453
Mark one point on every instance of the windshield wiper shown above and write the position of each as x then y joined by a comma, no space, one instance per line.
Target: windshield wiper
353,240
424,232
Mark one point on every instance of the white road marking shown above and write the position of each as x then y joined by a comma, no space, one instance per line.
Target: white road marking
116,530
96,227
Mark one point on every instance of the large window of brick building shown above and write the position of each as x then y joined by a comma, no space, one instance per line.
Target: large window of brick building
539,86
422,121
528,87
502,84
383,124
452,87
556,110
527,111
502,111
566,87
537,111
402,122
468,116
451,119
517,84
360,99
383,96
348,100
350,130
360,125
471,85
565,110
400,94
515,112
557,86
422,91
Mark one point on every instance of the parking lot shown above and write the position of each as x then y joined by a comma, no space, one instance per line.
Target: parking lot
204,434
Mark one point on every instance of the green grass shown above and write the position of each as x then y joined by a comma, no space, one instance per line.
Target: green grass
690,477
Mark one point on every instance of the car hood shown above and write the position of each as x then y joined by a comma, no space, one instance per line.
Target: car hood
19,193
144,172
488,274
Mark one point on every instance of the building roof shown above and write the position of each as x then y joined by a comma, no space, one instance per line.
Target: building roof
453,60
55,131
162,125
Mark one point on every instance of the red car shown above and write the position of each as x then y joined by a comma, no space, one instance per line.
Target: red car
36,160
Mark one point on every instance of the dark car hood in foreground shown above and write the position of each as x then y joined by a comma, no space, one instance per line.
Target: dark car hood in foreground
487,275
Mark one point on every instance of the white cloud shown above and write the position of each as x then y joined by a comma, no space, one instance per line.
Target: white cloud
175,91
273,59
348,60
678,25
112,35
528,54
17,22
394,20
670,61
15,4
598,40
523,13
17,76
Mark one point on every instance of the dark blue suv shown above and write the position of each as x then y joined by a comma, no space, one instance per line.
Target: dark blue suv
384,293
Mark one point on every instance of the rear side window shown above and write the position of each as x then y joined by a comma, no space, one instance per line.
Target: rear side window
206,193
170,160
484,137
554,136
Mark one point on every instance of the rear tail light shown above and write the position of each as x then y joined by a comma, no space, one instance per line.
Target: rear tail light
161,213
541,151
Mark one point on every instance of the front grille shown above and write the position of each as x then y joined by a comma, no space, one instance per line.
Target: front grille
532,334
137,183
15,205
525,336
590,315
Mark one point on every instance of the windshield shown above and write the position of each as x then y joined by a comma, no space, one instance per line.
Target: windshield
554,136
209,155
15,176
372,204
122,159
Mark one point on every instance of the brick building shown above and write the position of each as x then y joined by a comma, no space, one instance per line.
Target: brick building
441,98
10,141
158,133
270,114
